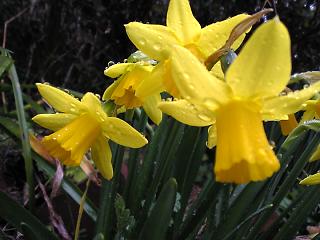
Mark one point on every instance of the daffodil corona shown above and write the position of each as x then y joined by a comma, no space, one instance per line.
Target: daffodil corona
81,125
184,30
236,108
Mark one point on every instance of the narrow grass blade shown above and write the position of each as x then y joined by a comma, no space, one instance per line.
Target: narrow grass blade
26,149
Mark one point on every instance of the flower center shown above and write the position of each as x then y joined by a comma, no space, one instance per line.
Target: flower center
124,94
243,151
71,142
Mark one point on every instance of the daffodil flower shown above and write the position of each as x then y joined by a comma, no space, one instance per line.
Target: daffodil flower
235,108
81,125
184,30
123,90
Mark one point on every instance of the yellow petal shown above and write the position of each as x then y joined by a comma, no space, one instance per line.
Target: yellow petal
117,69
187,113
215,35
316,155
71,142
101,155
195,83
181,20
212,136
151,39
93,105
263,66
290,103
109,91
151,107
153,83
307,115
311,180
217,71
288,125
54,121
243,152
60,100
122,133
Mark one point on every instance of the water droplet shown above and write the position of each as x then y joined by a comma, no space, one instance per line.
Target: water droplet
98,96
110,63
313,7
210,103
157,47
204,117
142,41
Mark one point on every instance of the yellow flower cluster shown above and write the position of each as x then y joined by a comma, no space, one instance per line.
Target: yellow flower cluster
234,105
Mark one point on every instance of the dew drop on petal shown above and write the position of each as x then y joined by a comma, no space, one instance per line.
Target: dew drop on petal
204,117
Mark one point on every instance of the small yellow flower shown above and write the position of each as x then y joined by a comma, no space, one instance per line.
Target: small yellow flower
81,125
237,107
123,90
184,30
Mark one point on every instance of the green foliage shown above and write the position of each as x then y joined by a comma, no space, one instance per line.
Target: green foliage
163,195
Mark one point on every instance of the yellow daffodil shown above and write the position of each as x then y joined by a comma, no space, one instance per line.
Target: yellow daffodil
184,30
123,90
237,107
81,125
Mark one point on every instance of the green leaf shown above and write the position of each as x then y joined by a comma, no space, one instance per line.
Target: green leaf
145,174
300,213
15,214
11,127
28,232
5,63
157,223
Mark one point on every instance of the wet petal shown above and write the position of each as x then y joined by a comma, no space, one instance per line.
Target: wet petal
109,91
93,105
181,20
187,113
122,133
60,100
151,107
153,83
290,103
54,122
217,71
151,39
117,69
194,81
101,155
263,66
215,35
